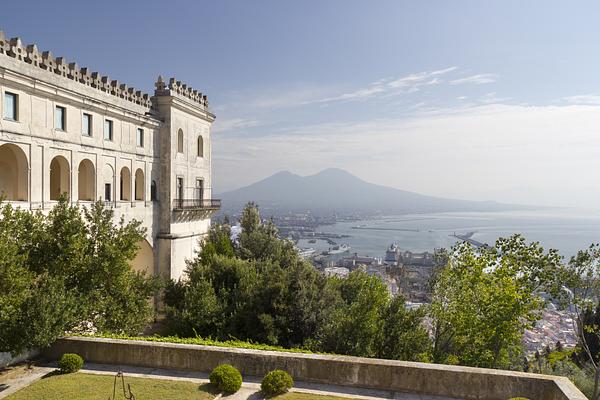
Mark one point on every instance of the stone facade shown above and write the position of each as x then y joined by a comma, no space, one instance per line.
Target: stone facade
66,129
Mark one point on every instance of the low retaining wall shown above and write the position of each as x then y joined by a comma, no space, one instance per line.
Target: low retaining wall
6,359
400,376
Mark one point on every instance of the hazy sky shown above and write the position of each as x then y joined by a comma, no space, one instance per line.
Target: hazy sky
469,99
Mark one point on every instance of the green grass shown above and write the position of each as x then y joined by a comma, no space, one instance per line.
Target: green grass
81,386
306,396
206,342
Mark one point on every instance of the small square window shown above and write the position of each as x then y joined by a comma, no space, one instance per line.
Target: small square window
11,106
86,125
108,129
140,137
60,118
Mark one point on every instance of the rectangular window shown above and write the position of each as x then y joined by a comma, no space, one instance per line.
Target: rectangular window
199,189
180,188
107,191
86,125
140,137
10,106
60,118
108,129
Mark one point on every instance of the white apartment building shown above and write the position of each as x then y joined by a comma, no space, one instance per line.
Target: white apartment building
68,130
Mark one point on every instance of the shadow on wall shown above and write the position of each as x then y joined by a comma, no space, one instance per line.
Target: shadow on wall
144,260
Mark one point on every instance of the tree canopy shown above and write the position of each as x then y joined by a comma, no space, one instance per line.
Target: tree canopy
66,271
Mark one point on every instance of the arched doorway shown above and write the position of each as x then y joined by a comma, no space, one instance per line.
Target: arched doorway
14,170
60,178
144,259
139,184
86,181
125,185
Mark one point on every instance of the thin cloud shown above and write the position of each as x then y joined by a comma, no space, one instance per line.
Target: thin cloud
390,86
478,79
224,125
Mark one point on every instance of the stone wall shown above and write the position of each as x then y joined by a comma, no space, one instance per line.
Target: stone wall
433,379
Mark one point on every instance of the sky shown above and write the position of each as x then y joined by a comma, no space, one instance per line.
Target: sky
481,100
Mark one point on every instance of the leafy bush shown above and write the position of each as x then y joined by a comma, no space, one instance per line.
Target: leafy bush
276,382
63,269
241,344
226,378
70,362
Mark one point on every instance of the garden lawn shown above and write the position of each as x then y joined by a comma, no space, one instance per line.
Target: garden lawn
81,386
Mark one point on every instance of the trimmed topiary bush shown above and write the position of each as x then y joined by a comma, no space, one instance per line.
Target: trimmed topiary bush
70,362
226,378
276,382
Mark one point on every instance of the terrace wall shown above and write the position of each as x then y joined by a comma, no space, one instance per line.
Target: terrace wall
400,376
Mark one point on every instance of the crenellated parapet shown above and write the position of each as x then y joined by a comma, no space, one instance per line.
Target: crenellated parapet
174,86
60,66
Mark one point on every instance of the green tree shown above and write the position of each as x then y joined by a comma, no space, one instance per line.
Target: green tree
260,241
117,297
69,267
403,337
257,289
355,325
582,286
484,300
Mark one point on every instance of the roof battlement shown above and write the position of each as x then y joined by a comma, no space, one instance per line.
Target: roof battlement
60,66
167,88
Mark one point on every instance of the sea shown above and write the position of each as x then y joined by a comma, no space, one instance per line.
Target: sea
565,229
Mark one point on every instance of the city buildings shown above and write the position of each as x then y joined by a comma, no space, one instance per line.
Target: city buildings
66,130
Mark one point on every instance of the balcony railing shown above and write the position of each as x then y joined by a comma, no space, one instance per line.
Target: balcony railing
196,204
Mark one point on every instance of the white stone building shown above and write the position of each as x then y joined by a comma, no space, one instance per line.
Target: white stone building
66,129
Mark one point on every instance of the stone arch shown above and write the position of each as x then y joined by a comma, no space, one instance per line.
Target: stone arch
200,146
60,178
139,184
14,170
180,141
86,180
144,259
125,184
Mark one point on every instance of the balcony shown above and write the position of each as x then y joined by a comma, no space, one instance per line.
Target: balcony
196,204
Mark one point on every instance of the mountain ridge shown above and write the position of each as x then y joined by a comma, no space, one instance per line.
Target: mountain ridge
337,190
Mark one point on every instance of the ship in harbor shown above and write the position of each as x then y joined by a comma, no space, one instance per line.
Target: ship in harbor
342,248
307,252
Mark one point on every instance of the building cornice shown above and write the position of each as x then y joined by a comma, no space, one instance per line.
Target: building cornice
184,97
45,61
67,94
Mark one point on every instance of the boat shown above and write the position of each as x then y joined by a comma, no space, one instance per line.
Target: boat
304,253
312,241
342,248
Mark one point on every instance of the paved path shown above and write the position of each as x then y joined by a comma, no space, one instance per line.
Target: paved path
17,378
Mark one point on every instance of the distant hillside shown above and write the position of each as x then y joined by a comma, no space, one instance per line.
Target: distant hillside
335,190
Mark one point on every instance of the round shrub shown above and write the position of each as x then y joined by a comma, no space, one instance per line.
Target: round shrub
226,378
276,382
70,362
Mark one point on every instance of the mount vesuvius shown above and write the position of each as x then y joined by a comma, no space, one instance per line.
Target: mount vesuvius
336,190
